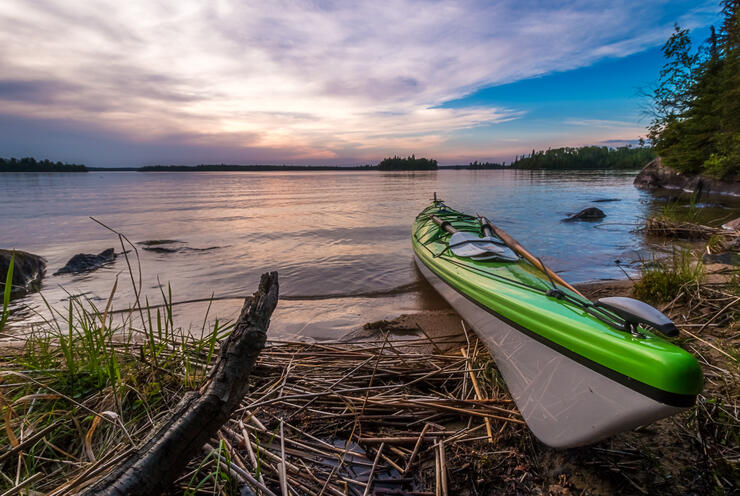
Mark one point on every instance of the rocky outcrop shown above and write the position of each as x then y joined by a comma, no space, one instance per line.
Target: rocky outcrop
28,270
85,262
724,258
590,213
655,177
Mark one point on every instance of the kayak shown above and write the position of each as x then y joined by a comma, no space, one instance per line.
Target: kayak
579,371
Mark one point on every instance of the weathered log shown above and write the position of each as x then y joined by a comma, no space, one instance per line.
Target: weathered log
199,415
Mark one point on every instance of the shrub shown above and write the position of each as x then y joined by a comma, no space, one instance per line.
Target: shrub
662,280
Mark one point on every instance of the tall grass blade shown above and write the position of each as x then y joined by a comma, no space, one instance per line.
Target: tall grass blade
6,293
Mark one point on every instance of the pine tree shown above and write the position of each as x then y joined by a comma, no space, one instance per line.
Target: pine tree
696,126
671,96
726,161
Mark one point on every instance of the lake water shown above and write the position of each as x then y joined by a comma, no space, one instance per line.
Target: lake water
339,240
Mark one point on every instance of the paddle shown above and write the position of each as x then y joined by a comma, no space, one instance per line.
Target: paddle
468,244
514,245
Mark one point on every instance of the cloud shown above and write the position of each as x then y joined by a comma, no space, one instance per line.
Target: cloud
600,123
41,91
315,79
620,142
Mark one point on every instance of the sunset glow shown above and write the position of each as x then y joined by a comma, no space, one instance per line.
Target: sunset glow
142,82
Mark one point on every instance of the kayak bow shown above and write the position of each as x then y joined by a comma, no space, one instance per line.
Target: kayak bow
578,371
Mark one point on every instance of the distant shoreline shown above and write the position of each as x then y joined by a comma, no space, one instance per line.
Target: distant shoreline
296,168
566,158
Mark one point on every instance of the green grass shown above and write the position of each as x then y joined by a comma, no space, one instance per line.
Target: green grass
678,211
96,380
662,280
211,470
6,293
716,243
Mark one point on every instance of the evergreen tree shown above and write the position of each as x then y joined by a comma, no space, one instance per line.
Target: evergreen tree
586,157
696,104
671,96
409,163
30,164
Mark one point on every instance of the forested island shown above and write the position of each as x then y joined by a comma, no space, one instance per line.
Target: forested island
487,165
30,164
573,158
391,163
586,157
696,102
247,168
408,163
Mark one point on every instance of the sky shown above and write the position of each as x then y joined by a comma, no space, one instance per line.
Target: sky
141,82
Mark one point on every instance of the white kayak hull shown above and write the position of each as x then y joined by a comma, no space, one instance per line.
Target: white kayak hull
564,403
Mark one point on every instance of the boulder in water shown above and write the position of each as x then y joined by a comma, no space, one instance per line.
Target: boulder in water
156,242
28,270
173,246
590,213
160,249
85,262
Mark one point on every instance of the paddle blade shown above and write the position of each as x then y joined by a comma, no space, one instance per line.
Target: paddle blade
469,245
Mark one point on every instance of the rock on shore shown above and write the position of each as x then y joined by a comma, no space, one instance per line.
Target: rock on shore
85,262
28,270
656,176
733,225
590,213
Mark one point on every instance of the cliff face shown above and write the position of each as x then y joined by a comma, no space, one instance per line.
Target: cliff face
656,176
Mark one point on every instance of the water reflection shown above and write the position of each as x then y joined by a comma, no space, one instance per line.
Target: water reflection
327,233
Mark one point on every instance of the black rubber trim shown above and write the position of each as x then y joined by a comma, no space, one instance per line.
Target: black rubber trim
665,397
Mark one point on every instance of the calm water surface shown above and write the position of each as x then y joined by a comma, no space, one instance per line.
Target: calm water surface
339,240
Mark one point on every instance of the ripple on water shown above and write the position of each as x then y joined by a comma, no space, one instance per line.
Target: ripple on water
327,233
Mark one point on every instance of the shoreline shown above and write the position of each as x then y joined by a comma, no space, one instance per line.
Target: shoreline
439,323
391,354
382,389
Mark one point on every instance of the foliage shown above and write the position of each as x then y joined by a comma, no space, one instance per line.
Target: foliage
662,280
586,157
30,164
408,163
676,210
696,102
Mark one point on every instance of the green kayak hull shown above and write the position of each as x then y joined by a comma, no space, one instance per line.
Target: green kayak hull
575,378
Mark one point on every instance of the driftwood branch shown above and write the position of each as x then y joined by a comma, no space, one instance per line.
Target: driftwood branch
199,415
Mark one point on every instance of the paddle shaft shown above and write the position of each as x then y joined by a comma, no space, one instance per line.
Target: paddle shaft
514,245
444,224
